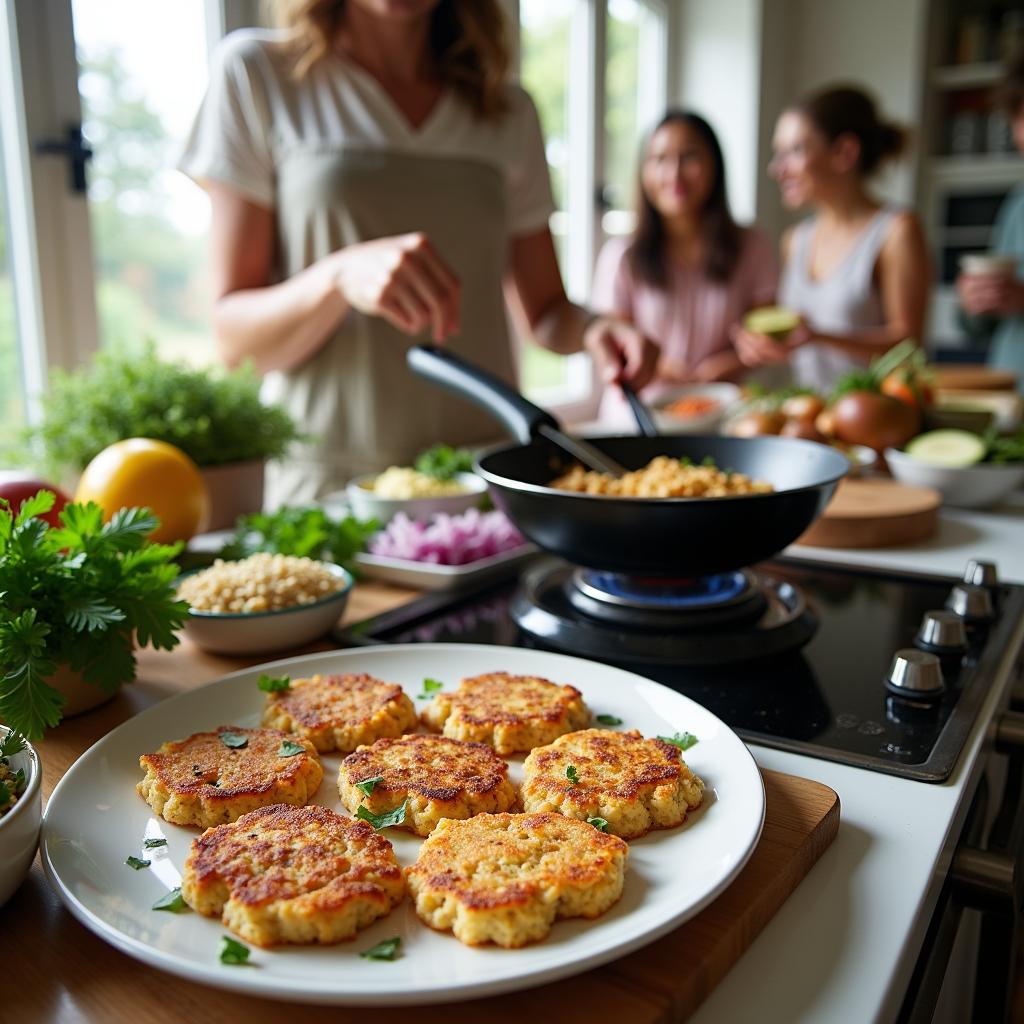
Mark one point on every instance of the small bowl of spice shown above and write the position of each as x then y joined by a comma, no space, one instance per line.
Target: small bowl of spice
695,408
263,603
21,809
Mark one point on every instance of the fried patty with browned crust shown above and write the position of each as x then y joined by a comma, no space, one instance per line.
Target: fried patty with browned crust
286,874
214,777
511,713
340,712
438,777
505,878
634,784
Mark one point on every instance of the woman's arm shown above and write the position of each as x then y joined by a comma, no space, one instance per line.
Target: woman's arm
279,326
534,289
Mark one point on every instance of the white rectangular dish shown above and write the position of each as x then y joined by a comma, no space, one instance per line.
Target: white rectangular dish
430,576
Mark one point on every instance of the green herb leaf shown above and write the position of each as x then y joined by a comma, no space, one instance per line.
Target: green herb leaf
172,901
13,743
682,740
600,824
366,786
19,781
233,952
572,775
385,950
379,821
609,720
274,684
137,863
442,462
5,794
289,748
708,461
429,686
234,740
153,844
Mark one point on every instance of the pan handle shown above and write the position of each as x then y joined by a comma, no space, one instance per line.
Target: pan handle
438,365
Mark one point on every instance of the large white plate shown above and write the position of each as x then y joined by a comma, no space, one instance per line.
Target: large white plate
95,819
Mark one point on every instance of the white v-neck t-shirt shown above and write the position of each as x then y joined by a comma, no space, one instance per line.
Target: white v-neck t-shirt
338,163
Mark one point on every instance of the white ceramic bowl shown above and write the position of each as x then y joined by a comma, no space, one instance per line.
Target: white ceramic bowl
979,486
19,827
265,632
726,395
366,504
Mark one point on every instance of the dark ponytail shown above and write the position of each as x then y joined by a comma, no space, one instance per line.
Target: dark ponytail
847,110
722,236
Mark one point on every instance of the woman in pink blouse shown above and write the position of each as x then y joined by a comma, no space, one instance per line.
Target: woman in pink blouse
689,272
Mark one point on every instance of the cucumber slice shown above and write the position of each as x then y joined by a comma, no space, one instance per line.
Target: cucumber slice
775,321
952,448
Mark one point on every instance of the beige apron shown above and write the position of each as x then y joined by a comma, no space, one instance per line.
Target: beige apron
355,396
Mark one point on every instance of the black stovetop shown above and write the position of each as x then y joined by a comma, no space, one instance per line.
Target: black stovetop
827,699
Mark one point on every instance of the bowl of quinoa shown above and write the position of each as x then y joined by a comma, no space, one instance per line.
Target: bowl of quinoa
263,603
21,809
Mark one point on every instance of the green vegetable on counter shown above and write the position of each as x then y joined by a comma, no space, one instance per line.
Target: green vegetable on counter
380,821
443,462
384,950
82,595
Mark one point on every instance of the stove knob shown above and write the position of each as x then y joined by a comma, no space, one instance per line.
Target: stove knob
981,574
915,673
971,602
943,631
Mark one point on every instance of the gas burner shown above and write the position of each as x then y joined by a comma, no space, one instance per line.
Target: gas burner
721,619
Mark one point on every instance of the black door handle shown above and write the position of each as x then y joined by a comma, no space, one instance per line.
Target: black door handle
74,148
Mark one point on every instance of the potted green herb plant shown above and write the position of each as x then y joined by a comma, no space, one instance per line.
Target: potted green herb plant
76,599
215,417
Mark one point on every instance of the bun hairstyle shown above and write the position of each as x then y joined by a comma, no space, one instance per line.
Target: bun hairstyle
847,110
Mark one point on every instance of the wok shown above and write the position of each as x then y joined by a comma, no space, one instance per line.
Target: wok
663,537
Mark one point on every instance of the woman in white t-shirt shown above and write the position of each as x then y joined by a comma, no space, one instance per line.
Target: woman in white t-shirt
373,176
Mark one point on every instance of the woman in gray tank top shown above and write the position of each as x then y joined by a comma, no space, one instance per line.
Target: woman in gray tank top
857,271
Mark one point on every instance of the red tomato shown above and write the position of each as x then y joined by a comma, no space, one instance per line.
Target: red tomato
17,485
909,390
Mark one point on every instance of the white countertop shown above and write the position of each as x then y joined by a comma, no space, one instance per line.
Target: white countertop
843,946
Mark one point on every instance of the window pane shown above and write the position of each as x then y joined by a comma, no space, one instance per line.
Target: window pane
12,381
544,72
142,73
623,117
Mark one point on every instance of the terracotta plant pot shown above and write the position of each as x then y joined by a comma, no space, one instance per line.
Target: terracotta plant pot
80,696
235,489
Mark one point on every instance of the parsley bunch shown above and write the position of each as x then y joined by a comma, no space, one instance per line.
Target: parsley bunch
442,461
76,596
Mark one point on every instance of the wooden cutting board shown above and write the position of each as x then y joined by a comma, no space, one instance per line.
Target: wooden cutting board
84,978
974,378
874,513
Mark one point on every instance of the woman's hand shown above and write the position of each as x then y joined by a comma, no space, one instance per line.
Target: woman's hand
756,349
623,354
404,280
995,294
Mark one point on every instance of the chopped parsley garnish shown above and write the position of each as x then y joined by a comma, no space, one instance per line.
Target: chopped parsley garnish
682,740
708,461
152,844
13,743
235,740
571,774
366,786
601,824
137,863
5,794
385,950
274,684
19,781
429,686
289,748
233,952
379,821
172,901
609,720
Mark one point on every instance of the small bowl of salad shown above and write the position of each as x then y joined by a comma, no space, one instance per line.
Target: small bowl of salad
21,809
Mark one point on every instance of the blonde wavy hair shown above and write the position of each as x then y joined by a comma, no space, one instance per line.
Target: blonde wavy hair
468,39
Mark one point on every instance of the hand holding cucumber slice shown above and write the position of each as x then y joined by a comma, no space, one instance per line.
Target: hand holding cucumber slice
951,448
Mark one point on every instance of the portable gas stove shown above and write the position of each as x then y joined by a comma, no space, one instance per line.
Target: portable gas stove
802,657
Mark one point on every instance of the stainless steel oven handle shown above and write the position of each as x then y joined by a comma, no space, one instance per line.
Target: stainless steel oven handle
986,880
1009,732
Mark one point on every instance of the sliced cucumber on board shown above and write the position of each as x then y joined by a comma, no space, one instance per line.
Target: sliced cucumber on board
952,448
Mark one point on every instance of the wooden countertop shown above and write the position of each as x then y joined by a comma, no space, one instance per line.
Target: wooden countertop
59,971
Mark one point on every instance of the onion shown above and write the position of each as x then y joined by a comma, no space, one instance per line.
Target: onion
447,539
875,420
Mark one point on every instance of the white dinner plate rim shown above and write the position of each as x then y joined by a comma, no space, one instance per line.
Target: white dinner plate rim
378,994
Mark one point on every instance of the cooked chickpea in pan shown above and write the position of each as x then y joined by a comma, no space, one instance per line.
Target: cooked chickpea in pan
663,477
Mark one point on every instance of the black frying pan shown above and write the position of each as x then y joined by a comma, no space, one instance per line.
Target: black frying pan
677,537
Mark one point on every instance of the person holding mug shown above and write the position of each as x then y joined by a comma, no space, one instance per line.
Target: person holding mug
857,271
991,285
376,179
